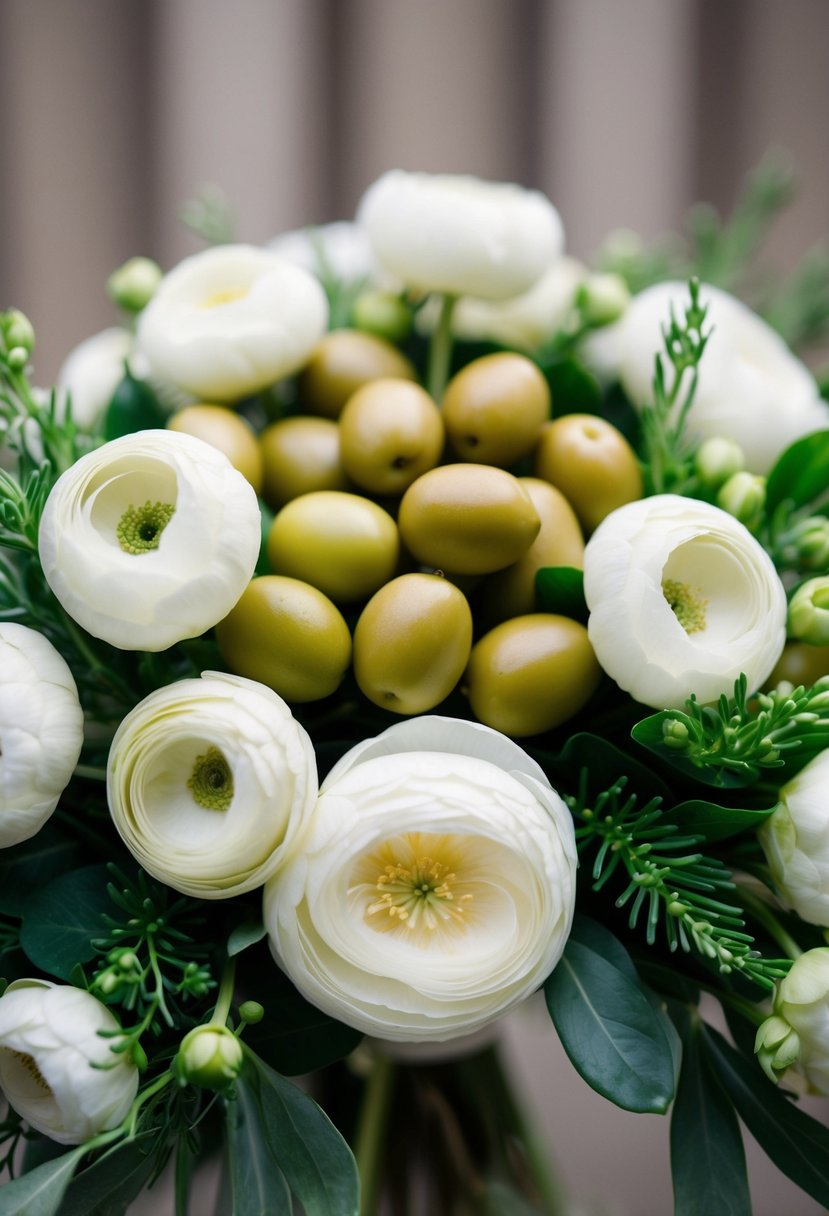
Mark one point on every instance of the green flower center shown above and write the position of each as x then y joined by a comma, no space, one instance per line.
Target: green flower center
211,782
686,603
425,891
140,528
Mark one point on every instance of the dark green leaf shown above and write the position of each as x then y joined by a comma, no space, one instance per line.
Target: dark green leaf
311,1153
796,1143
109,1186
257,1183
614,1037
32,864
712,821
560,589
649,734
133,407
61,920
266,518
574,389
248,933
801,473
39,1192
707,1156
605,764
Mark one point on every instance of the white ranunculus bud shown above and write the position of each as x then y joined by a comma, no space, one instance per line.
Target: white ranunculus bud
751,387
743,496
801,1004
56,1070
231,321
209,782
460,235
682,599
41,731
716,460
133,285
210,1056
602,299
150,539
809,612
795,839
434,889
91,373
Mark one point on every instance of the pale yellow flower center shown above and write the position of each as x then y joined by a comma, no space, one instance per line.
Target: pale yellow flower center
26,1061
139,529
211,782
229,295
687,604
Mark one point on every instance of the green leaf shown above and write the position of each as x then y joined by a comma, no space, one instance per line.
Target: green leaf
61,920
309,1150
133,407
39,1192
649,734
108,1187
266,518
560,589
605,764
32,864
257,1183
712,821
574,389
245,934
614,1037
707,1157
796,1143
801,473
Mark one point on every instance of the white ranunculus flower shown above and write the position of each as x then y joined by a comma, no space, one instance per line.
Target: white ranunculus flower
460,235
150,539
56,1070
230,321
92,372
209,782
751,387
340,250
682,599
434,888
41,731
795,839
802,1002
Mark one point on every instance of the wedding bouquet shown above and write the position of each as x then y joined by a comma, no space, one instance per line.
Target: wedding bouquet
396,622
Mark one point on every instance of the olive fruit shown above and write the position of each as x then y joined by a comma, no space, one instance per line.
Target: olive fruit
800,663
288,635
222,428
390,433
592,464
511,592
412,643
342,361
343,544
495,407
531,674
301,455
467,518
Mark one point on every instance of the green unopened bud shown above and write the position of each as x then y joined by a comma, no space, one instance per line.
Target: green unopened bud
251,1012
743,496
777,1046
133,285
812,542
17,358
675,734
383,314
717,460
602,298
209,1056
18,330
809,612
139,1056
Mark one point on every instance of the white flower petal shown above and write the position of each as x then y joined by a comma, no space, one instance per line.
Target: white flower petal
795,839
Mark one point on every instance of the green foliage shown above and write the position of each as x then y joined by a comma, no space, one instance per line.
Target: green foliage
39,1193
560,589
133,407
63,918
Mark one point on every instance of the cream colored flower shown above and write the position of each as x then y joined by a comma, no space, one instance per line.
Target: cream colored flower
230,321
435,887
150,539
798,1031
341,251
56,1069
751,387
459,234
91,373
209,782
795,839
41,731
682,599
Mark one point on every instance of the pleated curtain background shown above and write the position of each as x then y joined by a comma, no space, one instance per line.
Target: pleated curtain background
114,112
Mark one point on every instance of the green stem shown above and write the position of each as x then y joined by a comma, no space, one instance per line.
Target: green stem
764,914
90,771
371,1132
440,350
225,998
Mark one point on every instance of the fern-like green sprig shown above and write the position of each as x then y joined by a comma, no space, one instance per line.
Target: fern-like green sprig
668,880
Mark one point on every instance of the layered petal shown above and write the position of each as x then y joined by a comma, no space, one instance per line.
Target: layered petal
795,839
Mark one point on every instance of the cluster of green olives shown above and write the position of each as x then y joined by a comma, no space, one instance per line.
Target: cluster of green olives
404,516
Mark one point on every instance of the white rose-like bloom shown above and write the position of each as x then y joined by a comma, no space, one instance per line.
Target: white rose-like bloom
41,731
751,387
209,781
460,235
341,250
150,539
56,1070
92,372
802,1000
795,840
434,889
682,599
230,321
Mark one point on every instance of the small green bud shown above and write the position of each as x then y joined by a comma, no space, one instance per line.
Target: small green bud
139,1056
809,612
602,298
812,542
17,358
777,1046
383,314
133,285
717,460
18,330
251,1012
108,982
675,734
743,496
209,1056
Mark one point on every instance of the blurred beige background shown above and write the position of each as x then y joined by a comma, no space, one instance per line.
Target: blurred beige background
113,112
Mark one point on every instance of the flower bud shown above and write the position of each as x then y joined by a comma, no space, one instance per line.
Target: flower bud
675,734
251,1012
209,1056
743,496
812,542
602,298
383,314
17,358
18,330
133,285
777,1046
809,612
799,1028
718,459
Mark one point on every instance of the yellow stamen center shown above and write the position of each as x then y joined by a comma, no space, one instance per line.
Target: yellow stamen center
211,782
228,296
424,891
32,1069
687,604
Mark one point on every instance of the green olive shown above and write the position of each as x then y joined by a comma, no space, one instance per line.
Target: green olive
412,643
495,407
532,673
467,519
343,544
592,464
800,663
288,635
301,455
222,428
341,362
511,592
390,433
